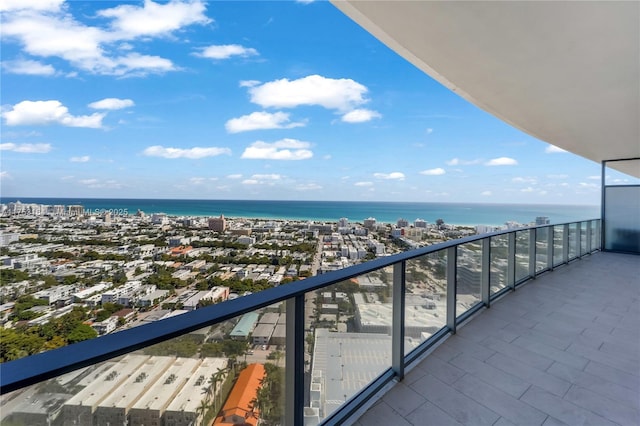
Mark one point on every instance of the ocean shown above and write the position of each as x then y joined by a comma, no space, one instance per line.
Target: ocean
388,212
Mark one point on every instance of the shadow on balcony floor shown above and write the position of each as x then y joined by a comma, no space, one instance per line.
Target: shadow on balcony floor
562,349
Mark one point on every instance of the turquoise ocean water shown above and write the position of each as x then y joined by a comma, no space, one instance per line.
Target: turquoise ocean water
390,212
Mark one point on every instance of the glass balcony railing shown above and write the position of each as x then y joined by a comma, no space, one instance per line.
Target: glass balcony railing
311,352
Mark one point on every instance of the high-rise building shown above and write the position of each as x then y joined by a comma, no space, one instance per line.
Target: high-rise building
542,220
419,223
370,223
218,224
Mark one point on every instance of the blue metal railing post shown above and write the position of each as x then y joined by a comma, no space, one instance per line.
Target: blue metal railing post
532,252
485,278
397,332
565,244
511,261
452,260
579,240
550,248
294,361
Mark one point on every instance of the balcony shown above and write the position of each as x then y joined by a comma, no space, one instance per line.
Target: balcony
555,305
563,349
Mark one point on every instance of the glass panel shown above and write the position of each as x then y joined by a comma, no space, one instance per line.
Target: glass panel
622,225
542,248
426,298
522,255
499,263
573,228
348,339
595,234
187,380
558,238
468,273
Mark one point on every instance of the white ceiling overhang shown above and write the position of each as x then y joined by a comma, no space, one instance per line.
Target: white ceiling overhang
565,72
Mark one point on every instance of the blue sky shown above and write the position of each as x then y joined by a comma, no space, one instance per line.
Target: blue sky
247,100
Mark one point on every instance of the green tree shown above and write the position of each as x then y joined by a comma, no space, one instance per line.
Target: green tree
80,333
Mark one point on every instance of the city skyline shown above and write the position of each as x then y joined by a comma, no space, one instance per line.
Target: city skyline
249,100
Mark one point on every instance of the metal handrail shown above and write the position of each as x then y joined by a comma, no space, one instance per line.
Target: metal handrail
33,369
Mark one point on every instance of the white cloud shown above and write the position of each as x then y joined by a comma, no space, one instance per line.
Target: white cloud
552,149
459,162
429,131
26,148
57,35
336,94
307,187
589,185
433,172
96,50
197,180
360,116
558,176
249,83
262,179
32,5
234,176
154,19
97,184
5,175
111,104
191,153
501,161
486,193
285,149
137,64
27,67
49,112
272,176
261,120
594,177
363,184
82,159
526,179
390,176
527,189
226,51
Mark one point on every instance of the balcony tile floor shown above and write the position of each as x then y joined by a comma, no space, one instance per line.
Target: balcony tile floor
563,349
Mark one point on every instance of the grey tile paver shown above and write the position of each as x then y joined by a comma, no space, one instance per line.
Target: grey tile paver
613,360
607,372
550,352
459,406
529,374
383,415
509,383
430,414
562,410
514,351
596,384
496,400
602,406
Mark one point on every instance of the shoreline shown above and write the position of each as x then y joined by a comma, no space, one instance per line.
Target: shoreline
460,214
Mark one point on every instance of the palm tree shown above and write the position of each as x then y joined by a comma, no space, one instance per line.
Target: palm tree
208,391
219,377
202,408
